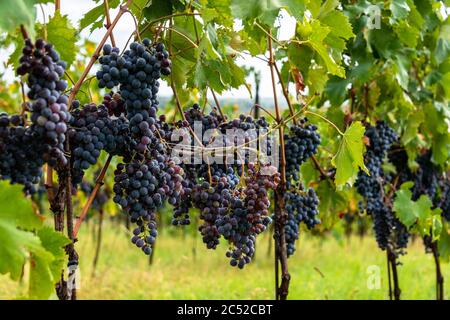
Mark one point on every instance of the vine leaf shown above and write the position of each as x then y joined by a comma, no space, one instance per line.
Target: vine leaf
331,202
159,8
17,12
14,247
23,236
444,244
96,15
16,208
349,157
313,35
63,36
44,273
417,213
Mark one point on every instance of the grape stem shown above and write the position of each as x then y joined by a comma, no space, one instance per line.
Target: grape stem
439,276
316,163
257,106
167,18
24,32
108,22
280,215
389,275
326,120
87,206
393,261
217,104
70,248
285,93
96,54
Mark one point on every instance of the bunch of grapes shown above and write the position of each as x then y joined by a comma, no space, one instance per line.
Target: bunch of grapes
249,215
426,178
180,216
91,131
143,185
20,158
144,235
49,112
137,71
389,231
445,201
212,197
300,144
301,207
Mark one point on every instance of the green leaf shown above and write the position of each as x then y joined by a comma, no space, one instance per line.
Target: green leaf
54,242
253,9
327,7
317,78
158,8
96,15
12,252
331,202
418,213
14,247
44,272
315,33
17,209
444,244
63,36
138,6
349,157
407,34
17,12
339,24
336,90
399,9
406,209
413,122
436,226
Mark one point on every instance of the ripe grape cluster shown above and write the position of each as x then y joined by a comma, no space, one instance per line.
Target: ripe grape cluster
300,144
143,185
426,178
137,72
49,112
20,158
25,148
127,124
301,206
212,197
445,200
91,131
389,231
249,215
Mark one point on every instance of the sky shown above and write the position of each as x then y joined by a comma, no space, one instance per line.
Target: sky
75,9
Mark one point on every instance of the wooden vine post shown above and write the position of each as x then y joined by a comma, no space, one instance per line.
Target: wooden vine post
282,289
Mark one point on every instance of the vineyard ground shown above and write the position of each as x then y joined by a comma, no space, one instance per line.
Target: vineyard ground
322,269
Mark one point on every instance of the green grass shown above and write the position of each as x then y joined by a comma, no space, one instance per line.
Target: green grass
320,269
